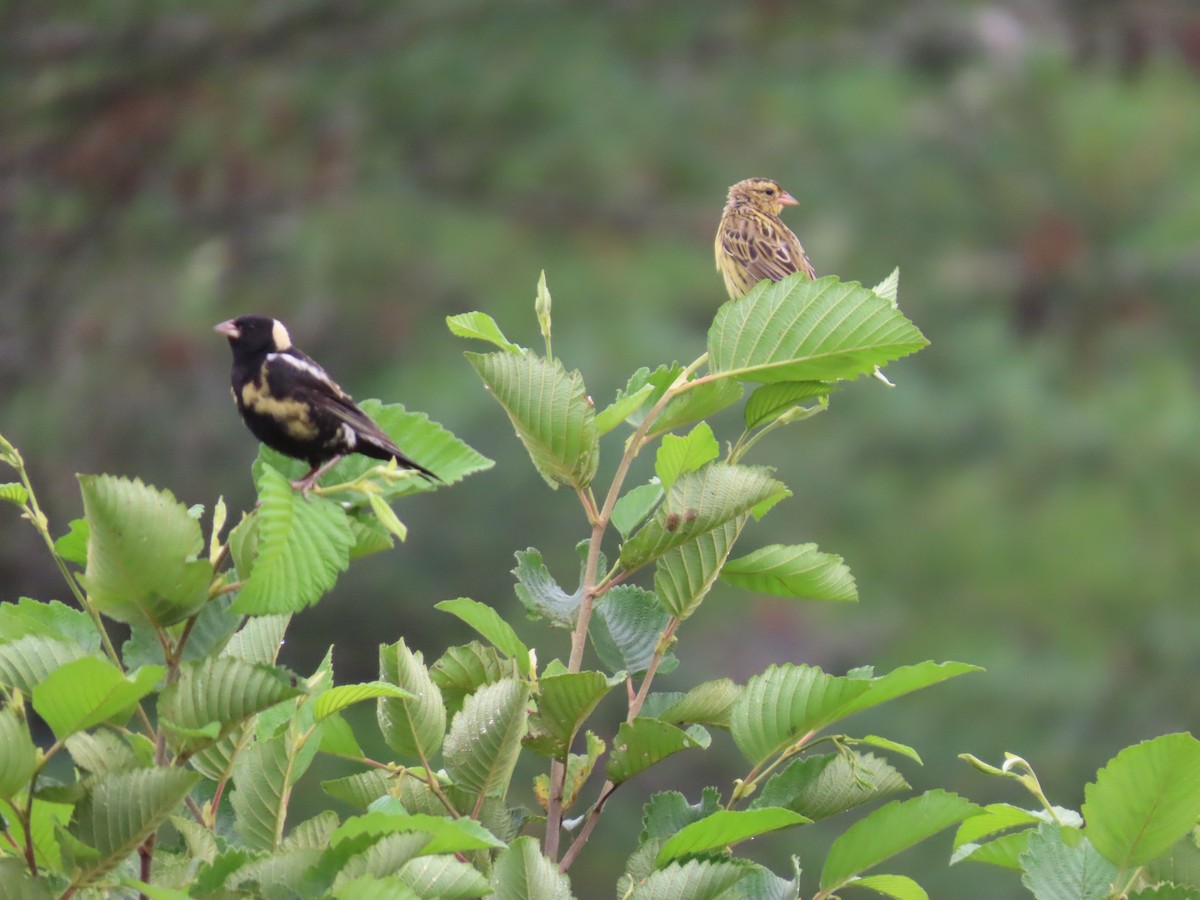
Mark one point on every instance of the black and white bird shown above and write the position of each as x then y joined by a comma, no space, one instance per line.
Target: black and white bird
290,404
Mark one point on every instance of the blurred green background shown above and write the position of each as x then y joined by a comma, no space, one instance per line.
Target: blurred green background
1025,499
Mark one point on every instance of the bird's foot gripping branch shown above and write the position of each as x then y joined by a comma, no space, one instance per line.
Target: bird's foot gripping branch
189,741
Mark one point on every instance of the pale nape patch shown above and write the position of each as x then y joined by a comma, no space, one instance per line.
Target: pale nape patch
279,334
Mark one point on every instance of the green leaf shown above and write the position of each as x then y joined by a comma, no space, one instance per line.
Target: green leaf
423,440
387,518
122,809
873,740
802,330
690,405
521,872
1144,800
763,884
541,308
627,627
563,704
337,738
72,546
693,880
89,691
889,830
679,455
694,404
17,885
823,786
631,510
697,503
540,593
905,680
448,835
27,661
259,640
657,381
383,858
897,886
579,768
210,629
488,623
13,492
770,402
278,876
620,409
53,620
142,563
312,834
359,790
641,744
338,698
155,891
549,409
1180,865
1004,851
787,703
263,775
725,828
303,544
709,703
443,877
367,887
464,669
799,570
481,326
222,691
684,576
18,758
1166,892
49,821
889,288
484,740
102,751
369,535
990,821
667,812
413,727
1060,865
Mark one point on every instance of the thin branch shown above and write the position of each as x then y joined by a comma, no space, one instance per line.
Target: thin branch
634,446
588,827
592,591
660,651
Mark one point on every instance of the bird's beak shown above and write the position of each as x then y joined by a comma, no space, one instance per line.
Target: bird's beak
787,199
228,328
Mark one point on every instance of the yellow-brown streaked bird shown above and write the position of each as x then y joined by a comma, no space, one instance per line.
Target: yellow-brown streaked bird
290,404
752,241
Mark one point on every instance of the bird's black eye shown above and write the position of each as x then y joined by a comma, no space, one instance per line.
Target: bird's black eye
770,192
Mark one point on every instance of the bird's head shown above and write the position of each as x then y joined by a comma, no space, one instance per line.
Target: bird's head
763,194
255,334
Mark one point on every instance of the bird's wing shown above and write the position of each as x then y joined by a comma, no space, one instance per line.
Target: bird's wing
764,249
297,375
367,431
309,383
299,371
348,412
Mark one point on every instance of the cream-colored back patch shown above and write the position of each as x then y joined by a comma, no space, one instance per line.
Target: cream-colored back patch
293,415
